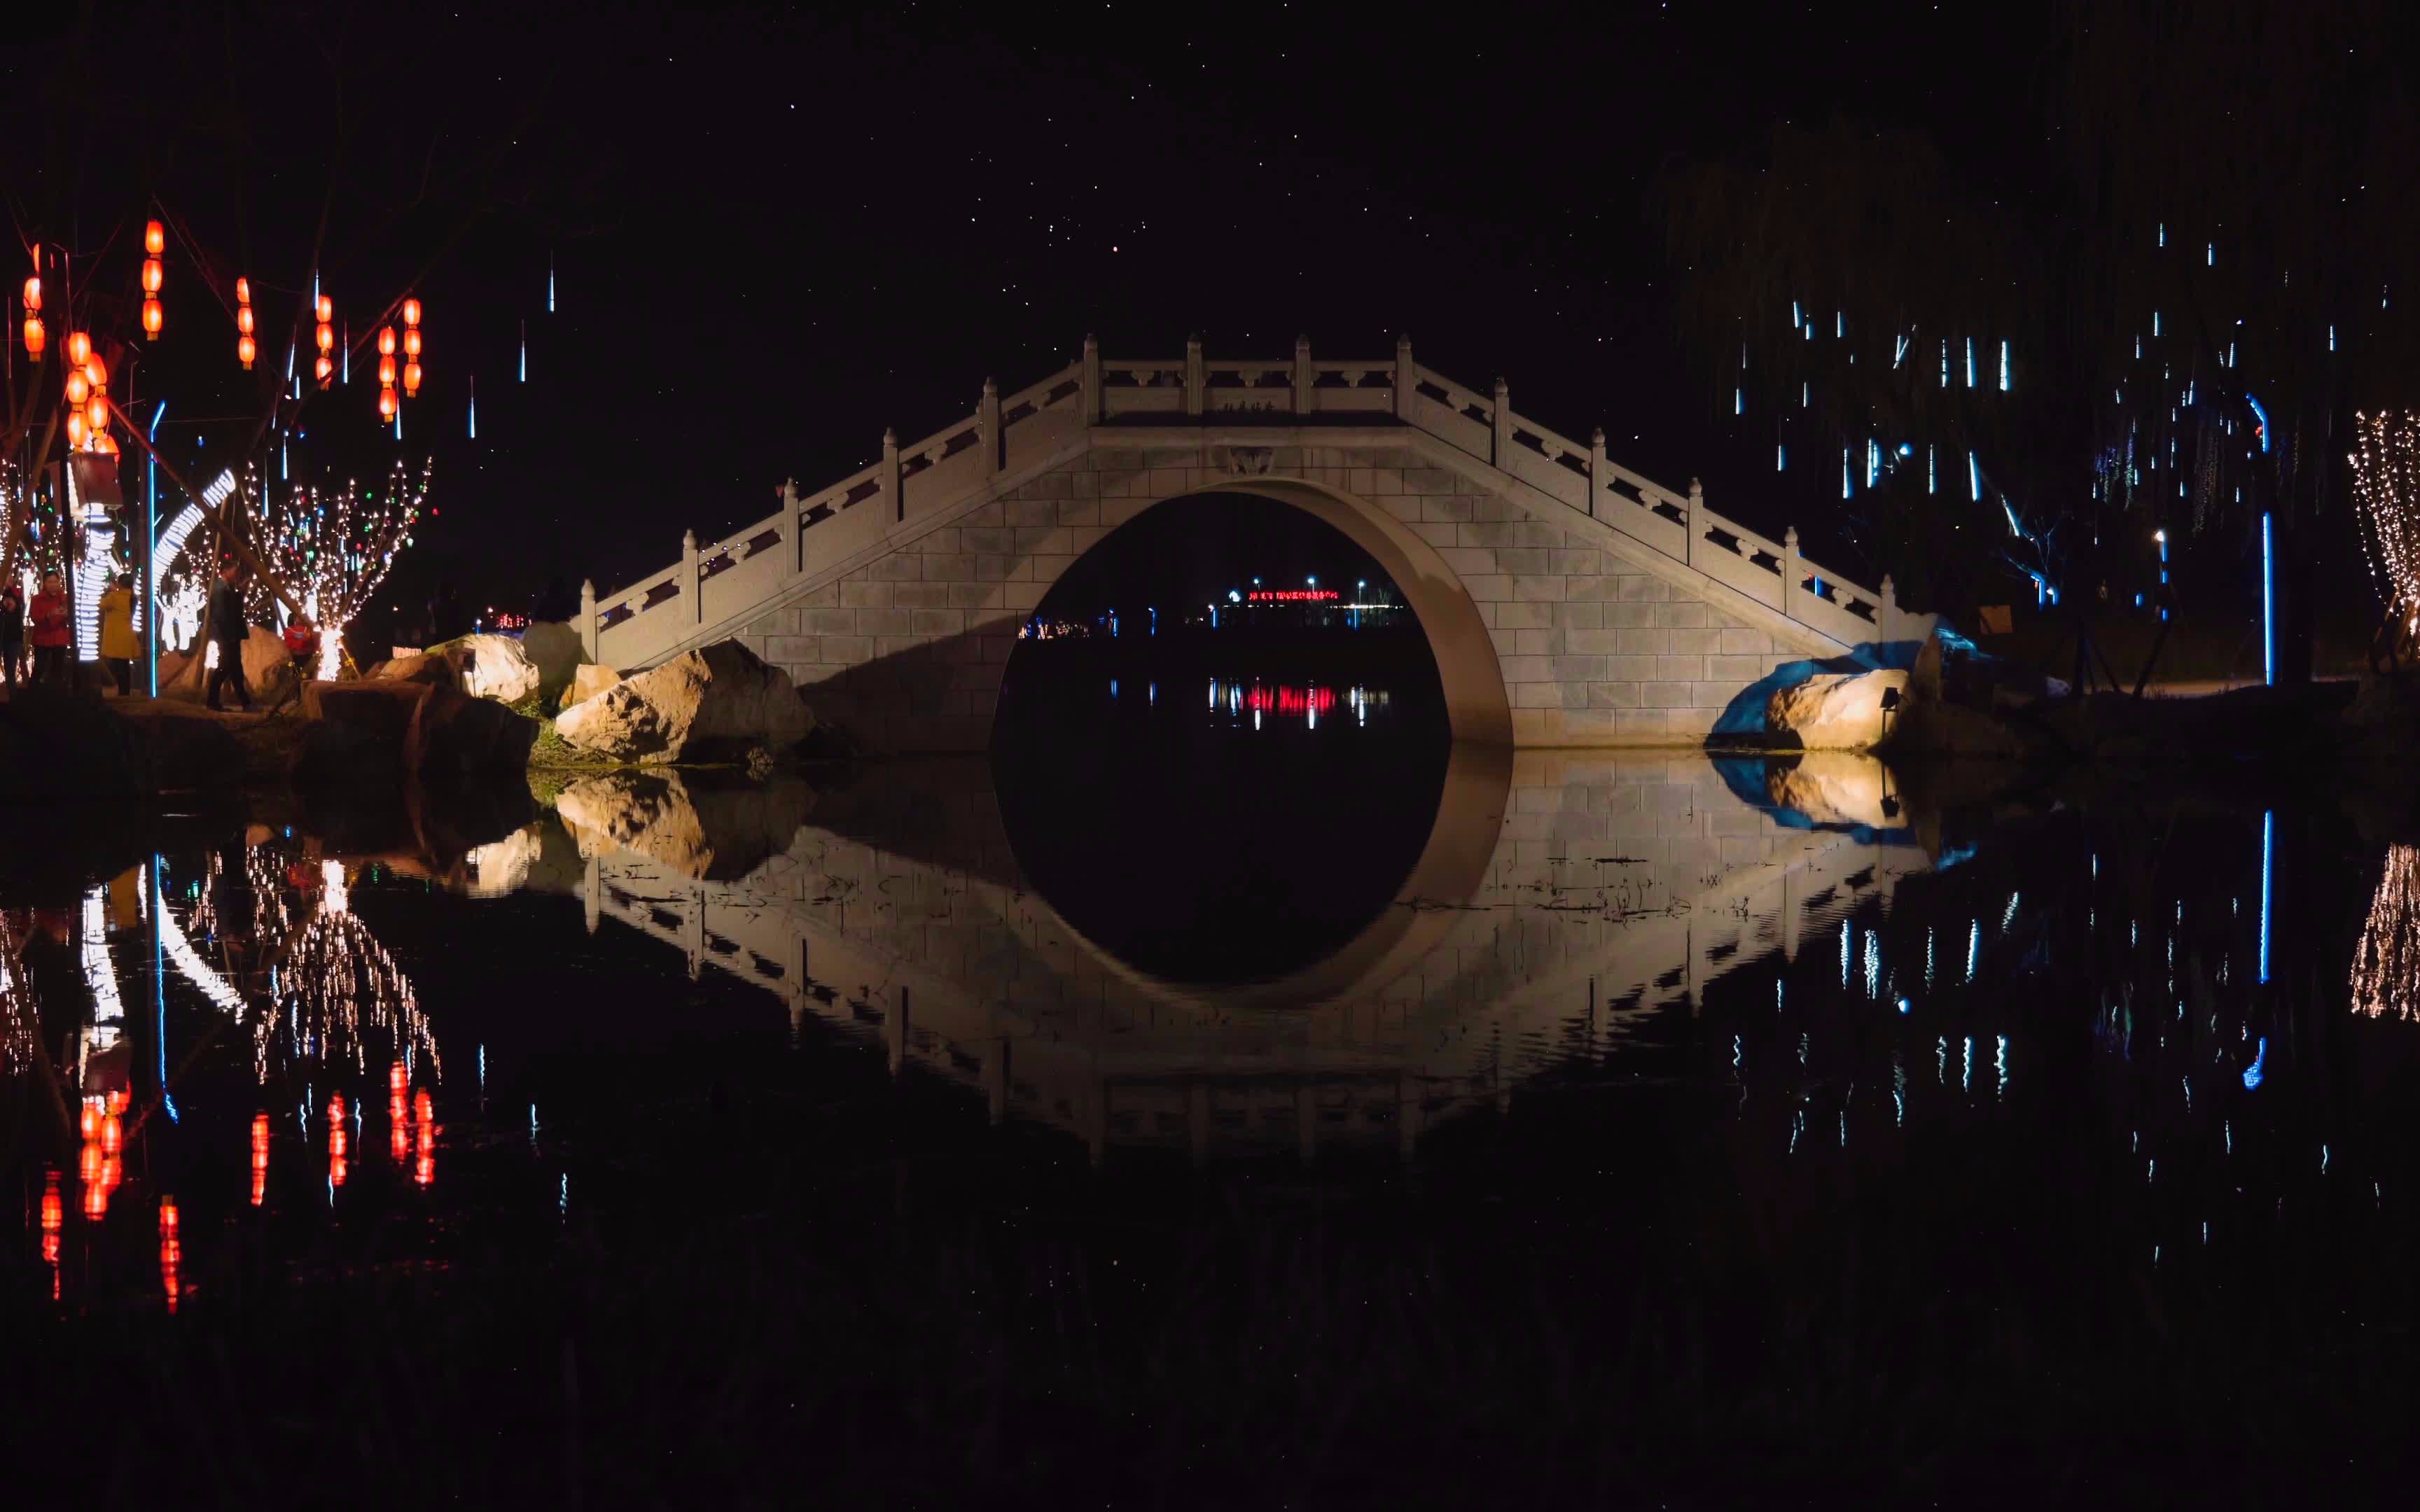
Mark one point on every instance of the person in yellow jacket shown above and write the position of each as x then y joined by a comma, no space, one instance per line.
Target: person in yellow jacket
118,645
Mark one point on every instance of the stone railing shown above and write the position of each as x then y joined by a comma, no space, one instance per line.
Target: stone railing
724,583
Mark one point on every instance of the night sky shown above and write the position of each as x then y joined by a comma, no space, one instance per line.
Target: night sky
774,233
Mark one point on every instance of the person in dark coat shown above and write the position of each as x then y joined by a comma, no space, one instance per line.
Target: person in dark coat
227,633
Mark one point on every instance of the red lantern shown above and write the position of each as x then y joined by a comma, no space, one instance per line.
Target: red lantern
411,379
152,318
243,291
245,351
153,274
76,433
386,341
323,370
96,412
33,294
104,445
155,237
35,337
412,340
327,337
96,371
327,309
386,370
244,318
386,404
79,386
79,347
412,312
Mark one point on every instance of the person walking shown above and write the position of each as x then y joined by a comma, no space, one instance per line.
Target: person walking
227,633
51,633
13,629
119,647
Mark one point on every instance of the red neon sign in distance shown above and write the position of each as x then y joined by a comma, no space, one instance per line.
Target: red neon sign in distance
1291,700
1291,595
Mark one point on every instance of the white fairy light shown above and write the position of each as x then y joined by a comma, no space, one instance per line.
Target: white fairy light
2386,963
2386,487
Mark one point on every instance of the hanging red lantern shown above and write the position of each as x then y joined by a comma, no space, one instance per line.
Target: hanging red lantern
155,237
104,444
79,347
245,351
35,337
34,295
412,380
386,370
412,312
96,412
323,370
412,340
386,404
244,318
76,431
79,386
243,290
153,275
151,319
386,341
327,337
327,308
96,371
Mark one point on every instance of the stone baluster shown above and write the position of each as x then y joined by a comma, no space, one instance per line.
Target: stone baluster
1404,381
592,892
894,489
1693,522
1196,381
794,529
987,428
1501,451
1790,570
1886,612
1598,479
1091,380
1302,375
588,618
694,932
693,584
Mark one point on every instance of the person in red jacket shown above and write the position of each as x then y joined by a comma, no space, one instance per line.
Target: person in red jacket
51,633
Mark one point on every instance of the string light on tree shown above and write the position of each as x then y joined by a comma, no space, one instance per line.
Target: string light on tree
2386,487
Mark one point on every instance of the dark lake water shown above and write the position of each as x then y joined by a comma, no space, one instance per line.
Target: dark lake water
1231,1094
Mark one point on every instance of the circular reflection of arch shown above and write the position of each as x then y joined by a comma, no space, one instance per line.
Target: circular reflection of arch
1382,883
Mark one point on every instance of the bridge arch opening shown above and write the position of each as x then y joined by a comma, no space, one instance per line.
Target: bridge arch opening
1227,742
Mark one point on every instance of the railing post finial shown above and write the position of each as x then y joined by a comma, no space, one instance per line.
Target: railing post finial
1196,379
1599,478
1502,451
588,618
1091,380
1303,376
1790,570
889,478
1403,378
692,583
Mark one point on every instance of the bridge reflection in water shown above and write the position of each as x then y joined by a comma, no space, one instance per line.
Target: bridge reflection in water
1561,899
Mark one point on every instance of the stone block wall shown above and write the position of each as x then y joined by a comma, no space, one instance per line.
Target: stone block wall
908,652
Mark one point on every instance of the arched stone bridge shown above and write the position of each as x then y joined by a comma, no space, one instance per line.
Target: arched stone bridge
1569,601
1561,899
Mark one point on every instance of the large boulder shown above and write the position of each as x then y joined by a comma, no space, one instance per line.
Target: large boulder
554,650
588,680
712,832
457,736
357,731
1836,788
266,662
493,667
1836,711
720,701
